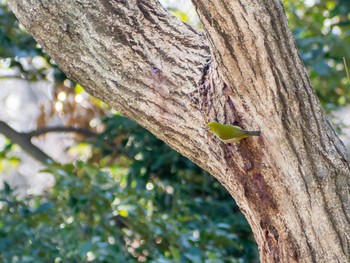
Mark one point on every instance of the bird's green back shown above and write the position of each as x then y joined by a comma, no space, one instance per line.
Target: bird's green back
227,131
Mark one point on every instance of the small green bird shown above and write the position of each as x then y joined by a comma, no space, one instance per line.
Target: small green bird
229,133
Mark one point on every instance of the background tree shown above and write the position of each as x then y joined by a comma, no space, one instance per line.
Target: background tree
156,71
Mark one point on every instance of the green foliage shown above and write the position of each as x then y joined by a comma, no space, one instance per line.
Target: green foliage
322,35
6,158
13,41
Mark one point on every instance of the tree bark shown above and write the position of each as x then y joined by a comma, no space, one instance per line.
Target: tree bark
292,183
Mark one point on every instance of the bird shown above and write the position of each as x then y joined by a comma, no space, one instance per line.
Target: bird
230,133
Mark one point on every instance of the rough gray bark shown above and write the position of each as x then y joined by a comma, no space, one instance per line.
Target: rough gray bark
292,183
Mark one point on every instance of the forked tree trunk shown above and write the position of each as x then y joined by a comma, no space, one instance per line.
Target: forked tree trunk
292,183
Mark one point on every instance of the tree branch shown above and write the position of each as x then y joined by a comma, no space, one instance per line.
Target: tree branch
41,131
24,142
23,139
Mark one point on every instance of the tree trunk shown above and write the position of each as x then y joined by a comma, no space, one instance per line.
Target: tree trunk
292,182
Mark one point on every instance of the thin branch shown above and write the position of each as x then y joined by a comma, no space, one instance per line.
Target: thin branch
24,142
41,131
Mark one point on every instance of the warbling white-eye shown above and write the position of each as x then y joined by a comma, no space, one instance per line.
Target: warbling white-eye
230,133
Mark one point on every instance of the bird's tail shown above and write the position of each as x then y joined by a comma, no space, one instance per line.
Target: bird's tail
254,133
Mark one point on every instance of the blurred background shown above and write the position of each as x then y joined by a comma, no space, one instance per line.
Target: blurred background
120,194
